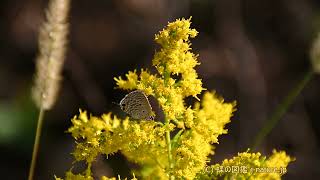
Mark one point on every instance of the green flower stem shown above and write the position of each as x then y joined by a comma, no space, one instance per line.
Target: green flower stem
88,171
169,153
281,109
36,144
166,76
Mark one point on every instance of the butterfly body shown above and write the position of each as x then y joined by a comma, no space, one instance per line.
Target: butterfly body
137,105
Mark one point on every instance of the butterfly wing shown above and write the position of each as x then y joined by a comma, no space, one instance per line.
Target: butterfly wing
137,105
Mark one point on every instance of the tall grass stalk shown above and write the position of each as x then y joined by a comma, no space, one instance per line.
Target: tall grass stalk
281,109
36,144
49,64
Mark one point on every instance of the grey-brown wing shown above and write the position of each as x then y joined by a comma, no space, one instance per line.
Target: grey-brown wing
137,105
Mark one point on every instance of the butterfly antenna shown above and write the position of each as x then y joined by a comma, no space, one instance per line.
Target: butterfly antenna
115,103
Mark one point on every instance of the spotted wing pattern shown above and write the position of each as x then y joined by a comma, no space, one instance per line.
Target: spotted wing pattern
137,105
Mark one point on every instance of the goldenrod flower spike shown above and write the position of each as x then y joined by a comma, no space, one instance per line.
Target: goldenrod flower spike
175,58
148,143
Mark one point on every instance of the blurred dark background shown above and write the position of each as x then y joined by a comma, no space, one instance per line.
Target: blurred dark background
251,51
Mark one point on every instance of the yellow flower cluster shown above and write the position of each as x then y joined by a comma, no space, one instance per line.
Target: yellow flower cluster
212,117
173,60
71,176
180,147
141,142
191,155
206,123
249,166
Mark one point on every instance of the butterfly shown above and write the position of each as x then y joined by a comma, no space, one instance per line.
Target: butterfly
137,105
